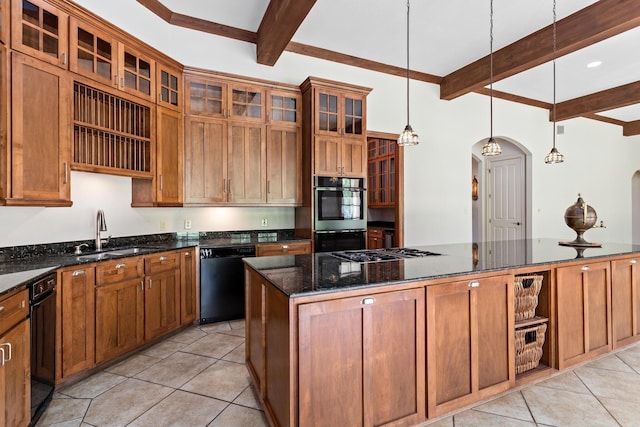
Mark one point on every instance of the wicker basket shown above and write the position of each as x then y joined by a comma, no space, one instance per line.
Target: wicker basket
529,342
527,289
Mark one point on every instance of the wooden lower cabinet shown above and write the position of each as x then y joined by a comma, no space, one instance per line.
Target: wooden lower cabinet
76,314
583,312
161,303
188,283
362,362
470,341
375,238
625,301
15,386
119,318
288,248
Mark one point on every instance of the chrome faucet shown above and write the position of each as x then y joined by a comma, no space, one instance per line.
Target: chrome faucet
101,225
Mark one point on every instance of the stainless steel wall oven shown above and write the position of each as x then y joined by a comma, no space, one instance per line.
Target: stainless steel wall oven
340,204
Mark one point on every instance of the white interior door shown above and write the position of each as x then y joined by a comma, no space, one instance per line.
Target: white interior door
506,199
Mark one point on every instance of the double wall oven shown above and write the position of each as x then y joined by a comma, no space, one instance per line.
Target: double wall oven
340,216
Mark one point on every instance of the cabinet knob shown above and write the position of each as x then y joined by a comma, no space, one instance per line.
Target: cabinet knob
585,268
285,246
634,261
3,360
187,254
1,309
8,344
368,300
78,273
163,258
474,284
120,265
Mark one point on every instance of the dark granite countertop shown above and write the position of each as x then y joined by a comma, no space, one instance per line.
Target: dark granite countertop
323,272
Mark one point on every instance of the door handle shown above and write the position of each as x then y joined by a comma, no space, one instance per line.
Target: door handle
516,223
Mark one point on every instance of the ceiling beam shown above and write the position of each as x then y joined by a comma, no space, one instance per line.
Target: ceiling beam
631,128
605,100
158,8
279,23
594,23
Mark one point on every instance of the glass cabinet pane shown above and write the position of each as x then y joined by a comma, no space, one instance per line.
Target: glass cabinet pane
353,116
137,73
284,108
328,112
168,88
206,98
246,103
40,29
94,54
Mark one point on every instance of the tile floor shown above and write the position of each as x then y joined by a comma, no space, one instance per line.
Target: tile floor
198,378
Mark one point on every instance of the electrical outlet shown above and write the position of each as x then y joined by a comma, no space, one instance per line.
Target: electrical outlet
163,225
187,224
264,222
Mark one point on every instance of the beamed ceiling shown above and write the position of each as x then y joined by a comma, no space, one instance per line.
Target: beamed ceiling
450,45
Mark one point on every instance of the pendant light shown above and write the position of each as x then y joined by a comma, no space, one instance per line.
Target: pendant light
491,147
408,136
554,155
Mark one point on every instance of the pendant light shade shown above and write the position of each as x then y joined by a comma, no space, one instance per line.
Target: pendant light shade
554,155
408,136
491,147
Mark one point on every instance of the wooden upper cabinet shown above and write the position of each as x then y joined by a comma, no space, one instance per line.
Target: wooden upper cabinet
136,72
4,21
247,103
246,163
169,87
283,108
584,312
340,113
40,30
5,148
169,157
284,162
92,53
41,134
206,97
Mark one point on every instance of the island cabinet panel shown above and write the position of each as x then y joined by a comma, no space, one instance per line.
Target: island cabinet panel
76,308
470,342
362,360
254,291
162,294
625,301
584,312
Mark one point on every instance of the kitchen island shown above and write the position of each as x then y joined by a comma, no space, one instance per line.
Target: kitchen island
395,342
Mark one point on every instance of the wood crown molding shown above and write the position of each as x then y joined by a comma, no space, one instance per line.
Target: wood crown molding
594,23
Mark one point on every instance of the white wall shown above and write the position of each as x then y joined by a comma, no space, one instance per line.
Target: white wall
600,162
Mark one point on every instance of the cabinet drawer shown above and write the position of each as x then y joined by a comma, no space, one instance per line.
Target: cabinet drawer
291,248
376,232
13,309
119,270
161,262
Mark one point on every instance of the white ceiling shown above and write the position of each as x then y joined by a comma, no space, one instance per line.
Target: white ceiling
445,36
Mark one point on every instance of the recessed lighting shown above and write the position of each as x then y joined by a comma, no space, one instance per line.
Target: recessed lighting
594,64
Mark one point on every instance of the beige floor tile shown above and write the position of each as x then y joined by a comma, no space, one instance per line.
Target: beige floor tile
214,345
181,409
176,369
94,385
133,365
604,383
222,380
163,349
565,408
239,416
211,328
443,422
474,418
237,324
188,335
124,403
628,415
248,398
611,362
510,405
236,355
64,410
71,423
567,381
235,332
631,357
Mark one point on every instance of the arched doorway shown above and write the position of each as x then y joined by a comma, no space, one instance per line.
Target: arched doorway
502,210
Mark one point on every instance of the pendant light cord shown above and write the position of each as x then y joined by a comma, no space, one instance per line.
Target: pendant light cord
491,70
554,73
407,62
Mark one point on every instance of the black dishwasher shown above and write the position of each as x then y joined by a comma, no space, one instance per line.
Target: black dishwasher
222,282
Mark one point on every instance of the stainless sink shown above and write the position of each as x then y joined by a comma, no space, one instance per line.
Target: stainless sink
115,253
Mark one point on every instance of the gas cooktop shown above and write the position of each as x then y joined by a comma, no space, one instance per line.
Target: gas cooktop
389,254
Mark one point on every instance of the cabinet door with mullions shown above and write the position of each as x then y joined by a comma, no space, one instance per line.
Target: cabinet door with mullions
93,53
40,30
